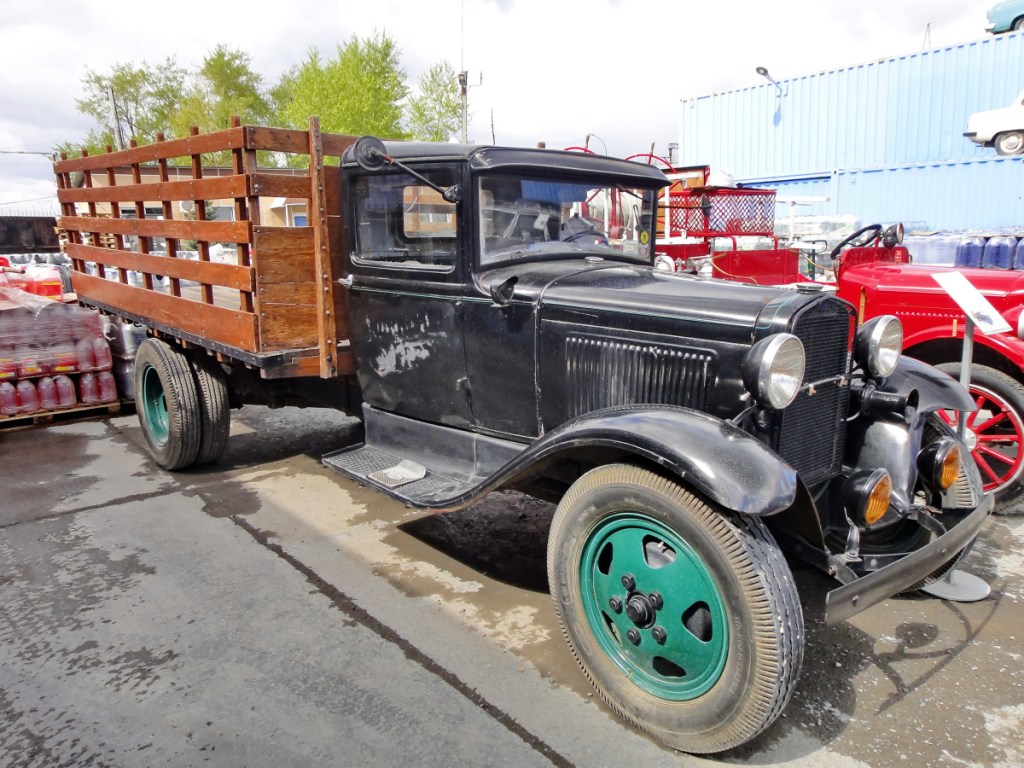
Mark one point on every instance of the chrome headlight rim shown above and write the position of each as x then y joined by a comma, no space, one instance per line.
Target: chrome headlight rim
879,345
773,370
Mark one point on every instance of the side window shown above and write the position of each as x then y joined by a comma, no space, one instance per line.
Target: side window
402,223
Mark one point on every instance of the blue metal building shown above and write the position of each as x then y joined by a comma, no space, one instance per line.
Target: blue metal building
882,140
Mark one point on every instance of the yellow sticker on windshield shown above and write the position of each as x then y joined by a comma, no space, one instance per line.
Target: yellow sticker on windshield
644,237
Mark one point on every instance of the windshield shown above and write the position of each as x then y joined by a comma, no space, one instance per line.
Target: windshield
527,217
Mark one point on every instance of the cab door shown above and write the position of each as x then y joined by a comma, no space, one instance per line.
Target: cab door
405,296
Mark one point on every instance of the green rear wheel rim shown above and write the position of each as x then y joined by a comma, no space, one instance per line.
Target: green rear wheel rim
154,406
654,607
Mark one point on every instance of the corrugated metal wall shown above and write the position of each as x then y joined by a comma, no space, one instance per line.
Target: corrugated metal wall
875,137
978,193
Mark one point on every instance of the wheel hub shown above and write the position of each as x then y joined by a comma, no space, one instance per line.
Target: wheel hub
647,596
640,610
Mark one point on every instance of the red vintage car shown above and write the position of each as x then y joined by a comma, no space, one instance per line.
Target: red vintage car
875,273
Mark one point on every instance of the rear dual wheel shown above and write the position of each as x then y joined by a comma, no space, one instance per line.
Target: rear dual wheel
685,618
182,406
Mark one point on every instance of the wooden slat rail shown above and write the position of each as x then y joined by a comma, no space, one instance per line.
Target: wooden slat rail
129,238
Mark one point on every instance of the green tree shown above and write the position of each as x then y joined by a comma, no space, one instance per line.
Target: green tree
359,91
224,86
170,99
146,99
435,111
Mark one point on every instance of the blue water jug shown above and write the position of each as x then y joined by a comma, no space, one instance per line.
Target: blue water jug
1018,255
998,252
970,252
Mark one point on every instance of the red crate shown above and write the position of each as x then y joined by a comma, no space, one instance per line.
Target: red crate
712,212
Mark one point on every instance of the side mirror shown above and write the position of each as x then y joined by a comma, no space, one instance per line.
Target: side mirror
502,293
369,153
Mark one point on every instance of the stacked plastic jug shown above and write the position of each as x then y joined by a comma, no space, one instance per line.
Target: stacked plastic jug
53,356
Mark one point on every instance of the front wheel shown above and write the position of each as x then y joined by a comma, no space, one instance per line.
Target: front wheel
684,617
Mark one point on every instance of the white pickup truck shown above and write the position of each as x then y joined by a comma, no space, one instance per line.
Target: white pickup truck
999,128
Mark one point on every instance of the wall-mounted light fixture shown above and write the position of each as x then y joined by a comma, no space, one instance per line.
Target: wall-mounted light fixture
763,72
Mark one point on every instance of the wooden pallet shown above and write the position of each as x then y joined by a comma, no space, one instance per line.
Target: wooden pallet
63,416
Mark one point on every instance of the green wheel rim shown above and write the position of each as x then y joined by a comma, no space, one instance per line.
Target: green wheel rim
154,406
653,607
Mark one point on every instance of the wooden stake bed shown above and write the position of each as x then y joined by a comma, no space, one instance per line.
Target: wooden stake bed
142,246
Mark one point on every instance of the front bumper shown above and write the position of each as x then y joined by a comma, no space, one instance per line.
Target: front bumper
852,598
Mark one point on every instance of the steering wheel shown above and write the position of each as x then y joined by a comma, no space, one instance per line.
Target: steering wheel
860,238
599,238
589,231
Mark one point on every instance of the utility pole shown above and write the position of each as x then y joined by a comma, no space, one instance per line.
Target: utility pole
464,91
115,121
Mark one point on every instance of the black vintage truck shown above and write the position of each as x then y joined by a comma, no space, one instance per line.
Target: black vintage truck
492,315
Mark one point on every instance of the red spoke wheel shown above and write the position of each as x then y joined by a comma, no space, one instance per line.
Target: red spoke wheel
994,433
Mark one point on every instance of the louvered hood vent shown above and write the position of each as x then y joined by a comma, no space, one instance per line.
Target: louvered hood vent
602,373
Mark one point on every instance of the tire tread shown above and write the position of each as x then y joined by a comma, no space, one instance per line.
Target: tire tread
764,576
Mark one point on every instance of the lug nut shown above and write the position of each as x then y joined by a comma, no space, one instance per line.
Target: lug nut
615,604
634,636
628,581
658,633
656,600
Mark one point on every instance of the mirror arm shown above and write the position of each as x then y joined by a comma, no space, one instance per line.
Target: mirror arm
369,154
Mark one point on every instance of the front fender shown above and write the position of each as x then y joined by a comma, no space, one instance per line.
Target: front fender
715,458
936,390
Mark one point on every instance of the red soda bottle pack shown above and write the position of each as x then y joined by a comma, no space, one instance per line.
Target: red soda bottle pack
52,355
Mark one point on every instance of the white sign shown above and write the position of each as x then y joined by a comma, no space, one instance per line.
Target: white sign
970,300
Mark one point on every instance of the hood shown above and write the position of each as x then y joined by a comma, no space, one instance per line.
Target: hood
640,298
917,287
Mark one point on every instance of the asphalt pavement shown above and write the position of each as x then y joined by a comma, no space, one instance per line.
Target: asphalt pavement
269,612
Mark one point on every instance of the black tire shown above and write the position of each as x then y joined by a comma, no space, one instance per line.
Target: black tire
1018,24
167,404
997,390
214,410
1009,143
742,604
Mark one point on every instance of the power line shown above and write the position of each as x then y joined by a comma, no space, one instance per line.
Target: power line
48,155
30,200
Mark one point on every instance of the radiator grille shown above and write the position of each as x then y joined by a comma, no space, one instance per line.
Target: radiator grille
813,429
602,373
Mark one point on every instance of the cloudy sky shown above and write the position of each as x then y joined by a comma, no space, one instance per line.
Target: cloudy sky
552,70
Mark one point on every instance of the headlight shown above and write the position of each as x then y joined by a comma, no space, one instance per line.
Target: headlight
893,235
664,262
878,346
773,370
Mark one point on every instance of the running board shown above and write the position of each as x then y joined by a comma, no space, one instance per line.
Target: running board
425,465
